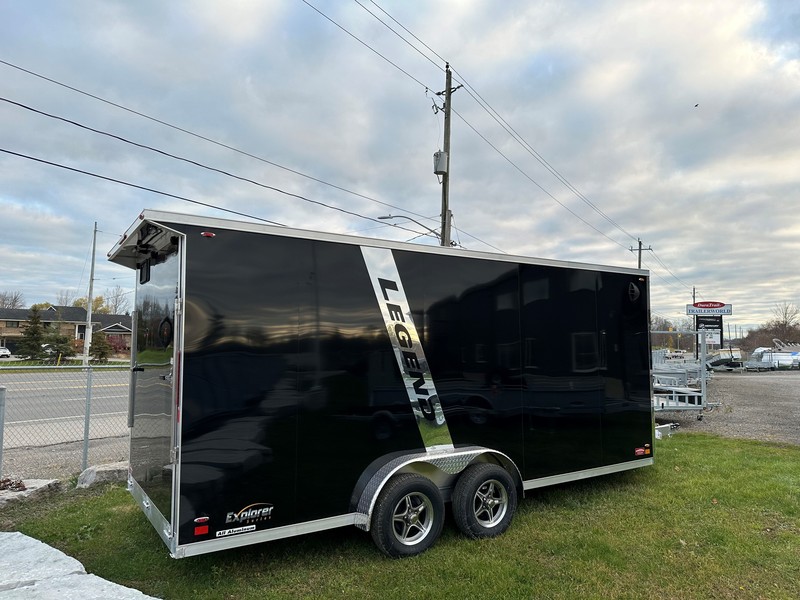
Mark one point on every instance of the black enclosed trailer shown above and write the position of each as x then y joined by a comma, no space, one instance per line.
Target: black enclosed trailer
287,382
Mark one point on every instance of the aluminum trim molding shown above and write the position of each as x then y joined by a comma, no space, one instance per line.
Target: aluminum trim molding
586,474
162,217
266,535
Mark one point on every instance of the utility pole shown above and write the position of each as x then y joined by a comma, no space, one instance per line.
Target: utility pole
87,341
446,214
696,336
87,338
632,249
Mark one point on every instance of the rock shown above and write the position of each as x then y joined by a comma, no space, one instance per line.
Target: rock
113,472
33,488
31,569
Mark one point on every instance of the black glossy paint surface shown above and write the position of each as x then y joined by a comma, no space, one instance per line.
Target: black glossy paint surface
291,390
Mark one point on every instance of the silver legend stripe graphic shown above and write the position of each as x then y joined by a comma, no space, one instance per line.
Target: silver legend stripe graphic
408,350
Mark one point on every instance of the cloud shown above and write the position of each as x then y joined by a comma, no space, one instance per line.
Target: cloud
605,94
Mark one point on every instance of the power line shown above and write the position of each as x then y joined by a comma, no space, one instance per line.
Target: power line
678,279
365,44
433,62
409,33
181,158
201,137
496,116
138,187
147,189
508,130
481,101
459,115
537,184
206,139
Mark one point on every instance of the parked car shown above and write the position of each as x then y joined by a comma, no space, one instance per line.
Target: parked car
5,352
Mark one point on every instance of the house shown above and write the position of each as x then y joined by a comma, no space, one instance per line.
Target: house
68,320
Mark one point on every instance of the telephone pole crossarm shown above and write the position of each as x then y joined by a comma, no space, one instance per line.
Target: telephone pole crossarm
632,249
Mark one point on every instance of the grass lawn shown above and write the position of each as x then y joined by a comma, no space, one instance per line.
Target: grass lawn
714,518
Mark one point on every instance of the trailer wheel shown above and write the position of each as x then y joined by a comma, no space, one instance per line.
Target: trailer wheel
408,517
484,501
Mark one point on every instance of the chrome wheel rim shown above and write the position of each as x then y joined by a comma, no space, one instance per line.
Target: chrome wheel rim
412,518
490,503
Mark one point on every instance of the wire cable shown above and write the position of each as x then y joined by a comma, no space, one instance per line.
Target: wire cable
484,104
167,194
188,160
138,187
389,27
202,137
365,44
537,184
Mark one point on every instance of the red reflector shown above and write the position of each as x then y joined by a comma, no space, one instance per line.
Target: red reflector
208,234
201,530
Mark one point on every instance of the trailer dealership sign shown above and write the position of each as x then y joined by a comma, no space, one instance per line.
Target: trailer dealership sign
709,308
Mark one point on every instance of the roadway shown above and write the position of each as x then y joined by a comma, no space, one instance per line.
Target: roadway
47,406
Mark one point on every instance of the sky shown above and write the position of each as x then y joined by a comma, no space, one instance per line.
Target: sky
580,128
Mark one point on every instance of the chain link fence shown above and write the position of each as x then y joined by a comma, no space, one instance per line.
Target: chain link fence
57,420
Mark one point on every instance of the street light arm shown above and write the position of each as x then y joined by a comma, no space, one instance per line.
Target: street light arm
435,233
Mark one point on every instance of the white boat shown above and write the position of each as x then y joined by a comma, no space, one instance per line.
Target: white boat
780,356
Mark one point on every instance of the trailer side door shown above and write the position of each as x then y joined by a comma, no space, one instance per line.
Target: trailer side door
152,414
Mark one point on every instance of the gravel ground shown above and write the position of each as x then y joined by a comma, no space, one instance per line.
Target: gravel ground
757,406
61,461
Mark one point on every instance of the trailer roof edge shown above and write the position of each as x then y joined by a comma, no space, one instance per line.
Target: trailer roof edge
166,217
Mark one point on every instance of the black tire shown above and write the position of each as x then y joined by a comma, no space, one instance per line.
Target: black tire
484,501
408,516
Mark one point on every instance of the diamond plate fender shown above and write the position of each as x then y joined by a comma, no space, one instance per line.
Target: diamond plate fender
441,466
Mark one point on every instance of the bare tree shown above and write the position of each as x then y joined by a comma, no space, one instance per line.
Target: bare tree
117,300
12,300
658,323
787,319
787,314
65,297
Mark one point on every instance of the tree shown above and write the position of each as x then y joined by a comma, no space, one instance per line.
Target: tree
58,344
12,300
661,340
100,349
98,304
32,336
117,300
65,298
785,324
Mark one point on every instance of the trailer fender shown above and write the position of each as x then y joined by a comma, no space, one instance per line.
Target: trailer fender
441,467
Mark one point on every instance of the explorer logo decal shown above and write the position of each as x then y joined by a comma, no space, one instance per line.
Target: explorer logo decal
252,513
